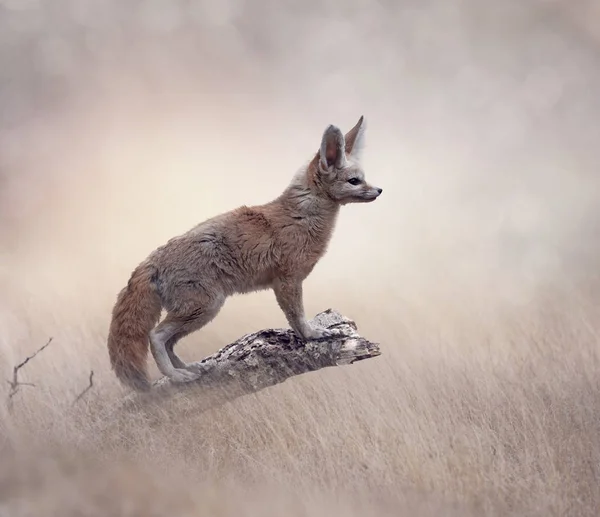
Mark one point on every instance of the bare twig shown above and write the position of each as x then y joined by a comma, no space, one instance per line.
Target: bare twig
15,384
88,388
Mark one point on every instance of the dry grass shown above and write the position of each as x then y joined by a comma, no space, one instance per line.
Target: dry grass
459,417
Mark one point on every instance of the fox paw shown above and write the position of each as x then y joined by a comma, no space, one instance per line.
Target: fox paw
318,333
181,376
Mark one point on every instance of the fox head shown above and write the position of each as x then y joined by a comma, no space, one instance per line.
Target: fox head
338,173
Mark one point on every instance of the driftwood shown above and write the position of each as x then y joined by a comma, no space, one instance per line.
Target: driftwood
268,357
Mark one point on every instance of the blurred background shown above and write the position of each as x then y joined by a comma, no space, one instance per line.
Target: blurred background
124,123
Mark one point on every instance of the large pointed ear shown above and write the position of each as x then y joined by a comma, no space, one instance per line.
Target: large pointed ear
355,138
332,152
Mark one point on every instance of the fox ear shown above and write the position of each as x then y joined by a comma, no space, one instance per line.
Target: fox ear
355,138
332,148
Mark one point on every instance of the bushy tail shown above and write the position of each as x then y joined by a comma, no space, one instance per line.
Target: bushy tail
136,312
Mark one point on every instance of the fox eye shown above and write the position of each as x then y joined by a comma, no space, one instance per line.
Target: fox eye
354,181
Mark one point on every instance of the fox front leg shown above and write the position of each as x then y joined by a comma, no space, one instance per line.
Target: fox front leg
288,293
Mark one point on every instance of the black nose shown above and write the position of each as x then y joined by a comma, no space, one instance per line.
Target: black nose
379,190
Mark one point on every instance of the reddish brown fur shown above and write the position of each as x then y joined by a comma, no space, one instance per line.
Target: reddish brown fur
136,311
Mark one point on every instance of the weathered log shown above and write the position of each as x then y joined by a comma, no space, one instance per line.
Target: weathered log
262,359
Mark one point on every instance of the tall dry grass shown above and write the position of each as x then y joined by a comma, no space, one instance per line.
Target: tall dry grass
459,416
126,123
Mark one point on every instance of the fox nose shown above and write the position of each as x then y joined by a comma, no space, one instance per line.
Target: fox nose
379,191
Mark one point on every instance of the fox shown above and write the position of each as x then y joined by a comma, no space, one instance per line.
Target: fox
273,246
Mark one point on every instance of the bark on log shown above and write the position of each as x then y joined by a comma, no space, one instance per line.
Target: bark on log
268,357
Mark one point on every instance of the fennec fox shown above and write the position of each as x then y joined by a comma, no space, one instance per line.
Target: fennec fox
275,245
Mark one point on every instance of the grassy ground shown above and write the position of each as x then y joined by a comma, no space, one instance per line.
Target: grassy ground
466,415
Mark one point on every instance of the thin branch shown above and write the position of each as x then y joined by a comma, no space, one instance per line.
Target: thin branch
88,388
15,384
27,359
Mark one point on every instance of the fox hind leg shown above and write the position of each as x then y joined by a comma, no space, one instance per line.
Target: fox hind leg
170,347
159,337
174,327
